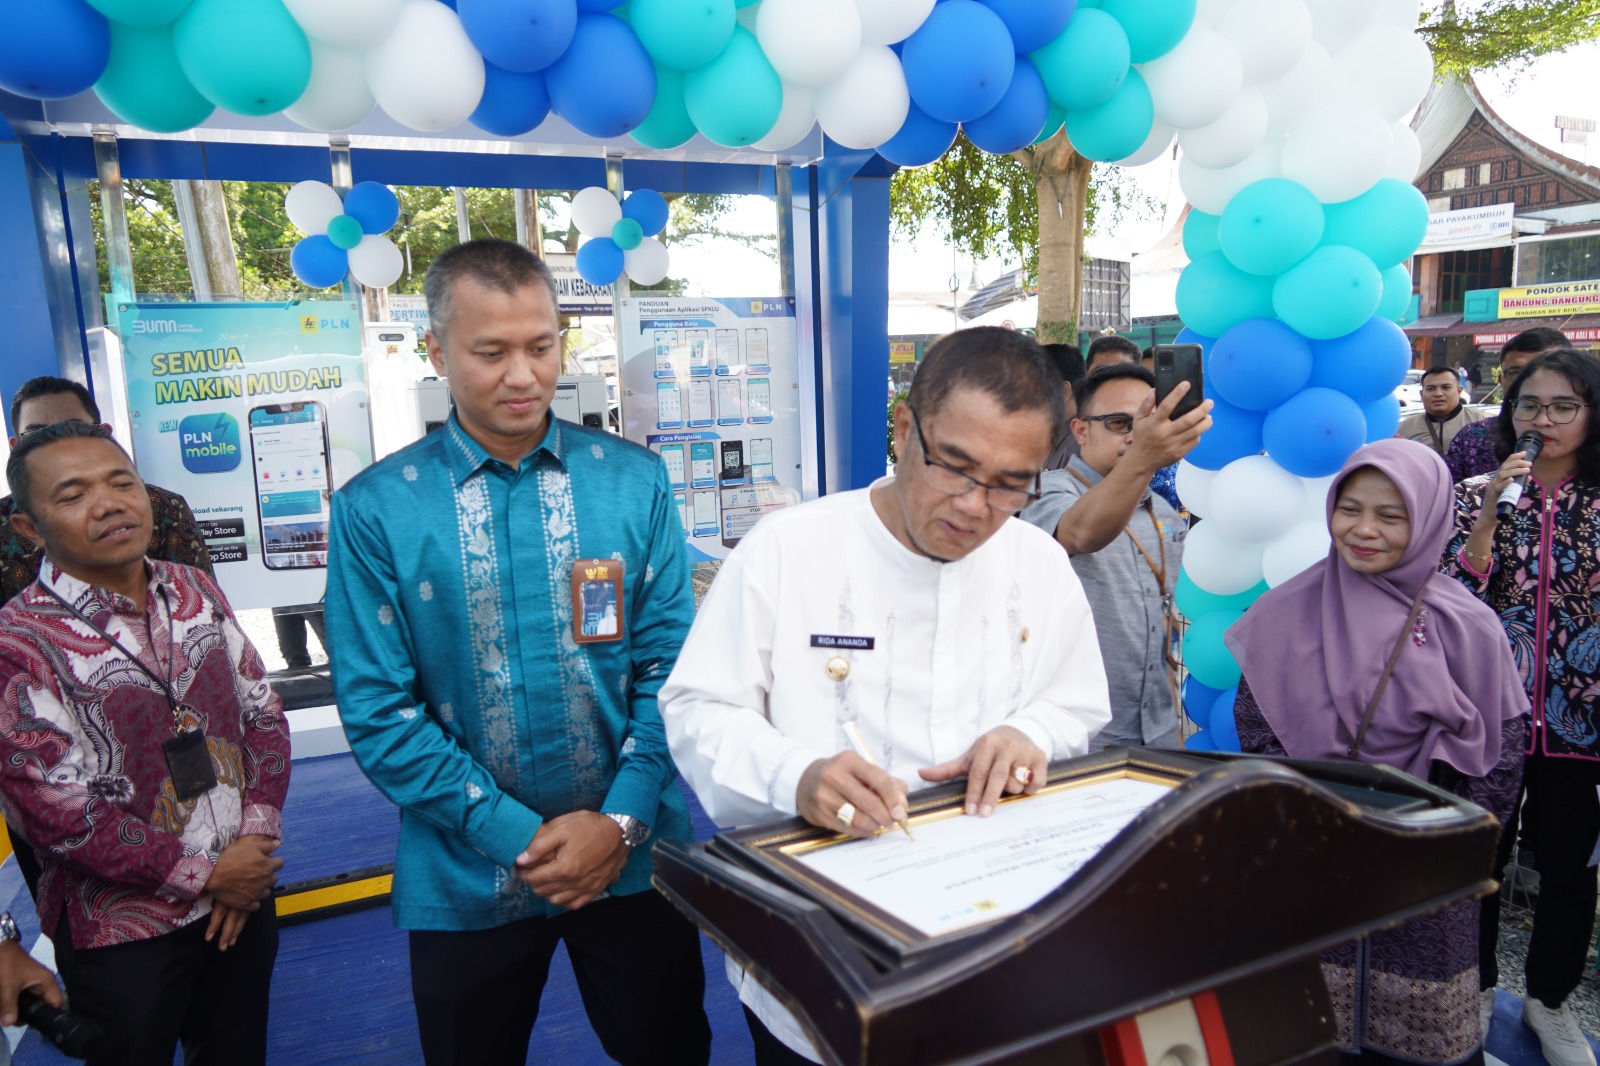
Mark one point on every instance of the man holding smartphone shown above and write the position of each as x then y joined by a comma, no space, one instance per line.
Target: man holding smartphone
1126,542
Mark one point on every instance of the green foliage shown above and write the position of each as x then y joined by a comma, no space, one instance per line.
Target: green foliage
895,401
1473,36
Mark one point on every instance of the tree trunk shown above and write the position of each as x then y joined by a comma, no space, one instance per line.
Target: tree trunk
208,239
1061,178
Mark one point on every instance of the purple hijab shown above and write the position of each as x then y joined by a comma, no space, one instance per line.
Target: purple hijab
1314,648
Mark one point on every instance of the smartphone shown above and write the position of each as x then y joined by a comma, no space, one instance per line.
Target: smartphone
702,465
700,403
666,341
705,513
289,444
730,402
755,350
672,455
669,405
760,409
1175,363
727,351
683,510
761,460
733,470
699,352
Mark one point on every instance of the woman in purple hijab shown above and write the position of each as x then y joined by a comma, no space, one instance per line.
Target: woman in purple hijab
1314,653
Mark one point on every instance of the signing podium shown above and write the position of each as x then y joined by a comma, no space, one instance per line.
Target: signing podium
1145,908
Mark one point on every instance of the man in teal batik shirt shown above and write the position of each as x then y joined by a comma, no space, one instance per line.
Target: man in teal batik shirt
505,598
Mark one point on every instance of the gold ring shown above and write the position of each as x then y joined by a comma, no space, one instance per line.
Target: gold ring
1023,774
846,814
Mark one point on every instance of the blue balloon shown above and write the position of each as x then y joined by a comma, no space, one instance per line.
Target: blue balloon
1234,434
1258,364
52,49
1017,120
1204,653
1314,432
1116,128
599,5
1200,741
1087,61
1198,700
1386,223
513,102
1397,293
1328,293
1270,225
1214,295
319,262
374,205
1383,417
1052,122
1200,233
604,84
1189,336
960,61
648,208
1033,23
600,261
1224,728
921,140
1154,27
1365,365
520,35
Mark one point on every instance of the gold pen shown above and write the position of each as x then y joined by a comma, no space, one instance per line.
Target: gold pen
853,735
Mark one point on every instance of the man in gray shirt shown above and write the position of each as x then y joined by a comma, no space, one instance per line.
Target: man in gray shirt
1126,542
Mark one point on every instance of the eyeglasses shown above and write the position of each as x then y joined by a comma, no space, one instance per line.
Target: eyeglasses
1560,411
1118,423
952,482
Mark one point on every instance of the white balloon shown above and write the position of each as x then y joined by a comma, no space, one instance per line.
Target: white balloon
337,96
1338,151
1207,13
646,263
809,42
869,102
1194,487
311,205
1197,81
1254,500
595,211
1305,544
1406,159
799,114
1316,491
891,21
1210,190
376,262
426,74
1301,91
1153,148
1336,23
1219,564
1401,13
1269,34
346,23
1386,67
1230,139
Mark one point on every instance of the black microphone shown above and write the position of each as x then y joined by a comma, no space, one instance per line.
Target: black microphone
1530,444
75,1037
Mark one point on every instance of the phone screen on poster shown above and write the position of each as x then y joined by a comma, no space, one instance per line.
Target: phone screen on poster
289,447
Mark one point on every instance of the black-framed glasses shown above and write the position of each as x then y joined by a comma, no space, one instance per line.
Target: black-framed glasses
1560,411
1118,422
952,482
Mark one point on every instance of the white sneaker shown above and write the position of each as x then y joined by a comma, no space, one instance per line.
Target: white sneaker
1485,1010
1562,1042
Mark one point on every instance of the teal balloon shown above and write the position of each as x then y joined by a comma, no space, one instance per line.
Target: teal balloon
1087,63
627,234
1195,601
1200,233
1270,225
1052,123
735,99
683,36
345,232
1116,128
1205,655
1154,27
1328,294
1214,295
145,14
668,124
144,86
1386,223
1396,293
249,56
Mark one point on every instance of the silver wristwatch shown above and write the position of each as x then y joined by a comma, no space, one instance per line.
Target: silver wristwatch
634,832
8,929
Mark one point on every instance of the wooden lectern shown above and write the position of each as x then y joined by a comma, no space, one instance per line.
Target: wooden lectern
1201,917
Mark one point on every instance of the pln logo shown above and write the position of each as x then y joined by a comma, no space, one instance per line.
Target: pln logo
310,323
210,443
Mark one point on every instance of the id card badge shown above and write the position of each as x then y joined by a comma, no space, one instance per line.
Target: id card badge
597,614
189,762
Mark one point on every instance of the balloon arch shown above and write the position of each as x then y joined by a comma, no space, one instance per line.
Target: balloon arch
1296,161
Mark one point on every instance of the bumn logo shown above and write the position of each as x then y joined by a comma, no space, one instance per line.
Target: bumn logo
210,443
155,325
